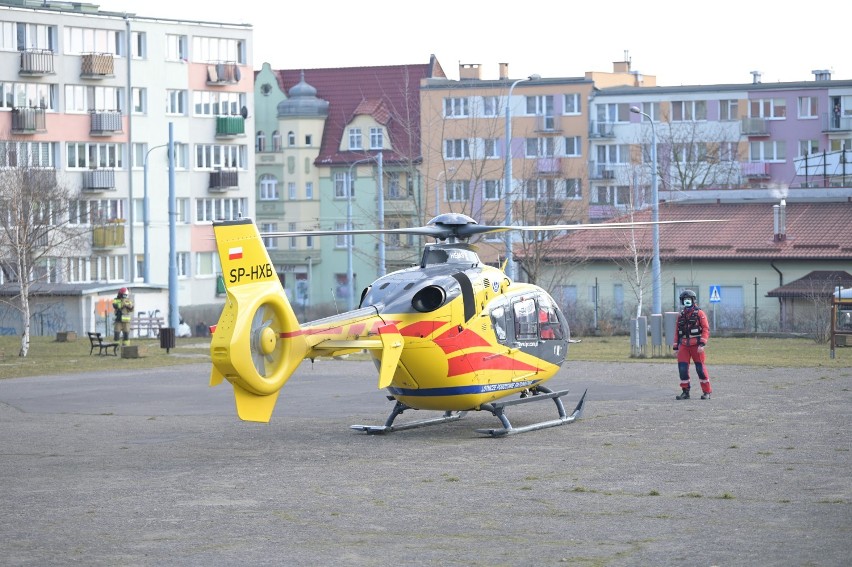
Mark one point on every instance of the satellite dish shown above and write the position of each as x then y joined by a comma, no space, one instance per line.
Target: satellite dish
244,112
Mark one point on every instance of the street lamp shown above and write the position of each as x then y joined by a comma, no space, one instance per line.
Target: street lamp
350,284
437,190
145,219
507,189
655,210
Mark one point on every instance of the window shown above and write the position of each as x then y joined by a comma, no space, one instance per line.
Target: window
613,112
612,153
90,40
456,107
540,147
84,212
341,240
340,191
213,156
81,155
276,141
652,109
82,99
217,49
769,150
355,139
458,191
183,264
28,95
207,264
540,105
394,187
571,103
492,190
689,153
309,190
291,190
729,109
138,45
689,110
34,36
309,140
772,108
573,189
490,106
526,321
291,139
32,154
573,146
808,107
214,103
268,187
139,102
182,210
260,142
268,241
176,47
219,209
456,149
377,138
490,148
808,147
176,102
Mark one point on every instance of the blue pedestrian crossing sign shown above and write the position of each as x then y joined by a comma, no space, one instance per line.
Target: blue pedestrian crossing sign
715,295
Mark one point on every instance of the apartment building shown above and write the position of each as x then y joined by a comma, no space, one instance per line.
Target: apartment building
98,96
338,148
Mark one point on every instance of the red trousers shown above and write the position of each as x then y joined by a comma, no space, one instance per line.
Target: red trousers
684,355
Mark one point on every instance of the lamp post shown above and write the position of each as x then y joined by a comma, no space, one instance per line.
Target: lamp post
507,182
350,276
655,216
146,274
437,189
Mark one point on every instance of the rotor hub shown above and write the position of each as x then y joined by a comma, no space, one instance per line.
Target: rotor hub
267,340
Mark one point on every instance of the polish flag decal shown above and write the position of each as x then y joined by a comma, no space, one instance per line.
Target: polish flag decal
235,253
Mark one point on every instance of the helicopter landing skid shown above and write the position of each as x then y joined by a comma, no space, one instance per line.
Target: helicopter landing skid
400,407
497,409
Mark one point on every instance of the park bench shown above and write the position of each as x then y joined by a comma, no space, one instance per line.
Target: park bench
97,342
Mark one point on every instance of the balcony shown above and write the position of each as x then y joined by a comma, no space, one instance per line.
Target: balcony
601,129
109,234
97,180
547,124
28,120
755,127
230,126
755,170
224,179
105,123
601,171
36,62
832,122
223,73
549,166
97,66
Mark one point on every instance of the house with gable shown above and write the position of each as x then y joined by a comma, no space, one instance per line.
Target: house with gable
749,259
323,136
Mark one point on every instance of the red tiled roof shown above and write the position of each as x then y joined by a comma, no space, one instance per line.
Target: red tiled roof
813,231
391,94
819,283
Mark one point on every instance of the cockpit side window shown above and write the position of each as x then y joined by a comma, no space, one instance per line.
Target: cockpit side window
548,322
498,321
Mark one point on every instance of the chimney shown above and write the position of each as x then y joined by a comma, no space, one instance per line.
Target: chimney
755,77
780,217
469,71
504,71
822,74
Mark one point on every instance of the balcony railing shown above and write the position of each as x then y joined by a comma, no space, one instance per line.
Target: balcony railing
601,170
549,165
28,120
755,170
224,179
105,123
547,124
832,122
223,73
601,129
754,127
229,126
37,62
108,235
97,65
99,180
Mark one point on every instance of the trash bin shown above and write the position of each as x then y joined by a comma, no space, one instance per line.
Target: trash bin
167,338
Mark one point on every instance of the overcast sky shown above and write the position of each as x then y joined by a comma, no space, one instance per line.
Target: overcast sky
682,43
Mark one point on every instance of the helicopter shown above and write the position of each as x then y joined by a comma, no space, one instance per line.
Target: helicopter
451,334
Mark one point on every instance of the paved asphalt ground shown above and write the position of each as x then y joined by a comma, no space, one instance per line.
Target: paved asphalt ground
153,468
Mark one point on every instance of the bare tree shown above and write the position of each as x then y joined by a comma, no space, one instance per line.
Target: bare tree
35,233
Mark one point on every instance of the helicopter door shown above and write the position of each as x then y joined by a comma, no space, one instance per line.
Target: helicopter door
526,333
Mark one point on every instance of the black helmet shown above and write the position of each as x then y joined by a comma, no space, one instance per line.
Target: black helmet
690,294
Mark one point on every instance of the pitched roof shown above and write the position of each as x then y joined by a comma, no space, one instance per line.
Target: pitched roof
391,94
813,231
819,283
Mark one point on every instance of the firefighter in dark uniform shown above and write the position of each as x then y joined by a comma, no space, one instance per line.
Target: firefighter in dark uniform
692,335
123,307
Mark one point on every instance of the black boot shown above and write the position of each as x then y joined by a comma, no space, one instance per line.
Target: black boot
684,395
705,396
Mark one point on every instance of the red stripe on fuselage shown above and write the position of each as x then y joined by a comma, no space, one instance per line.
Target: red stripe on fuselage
452,340
475,362
421,328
